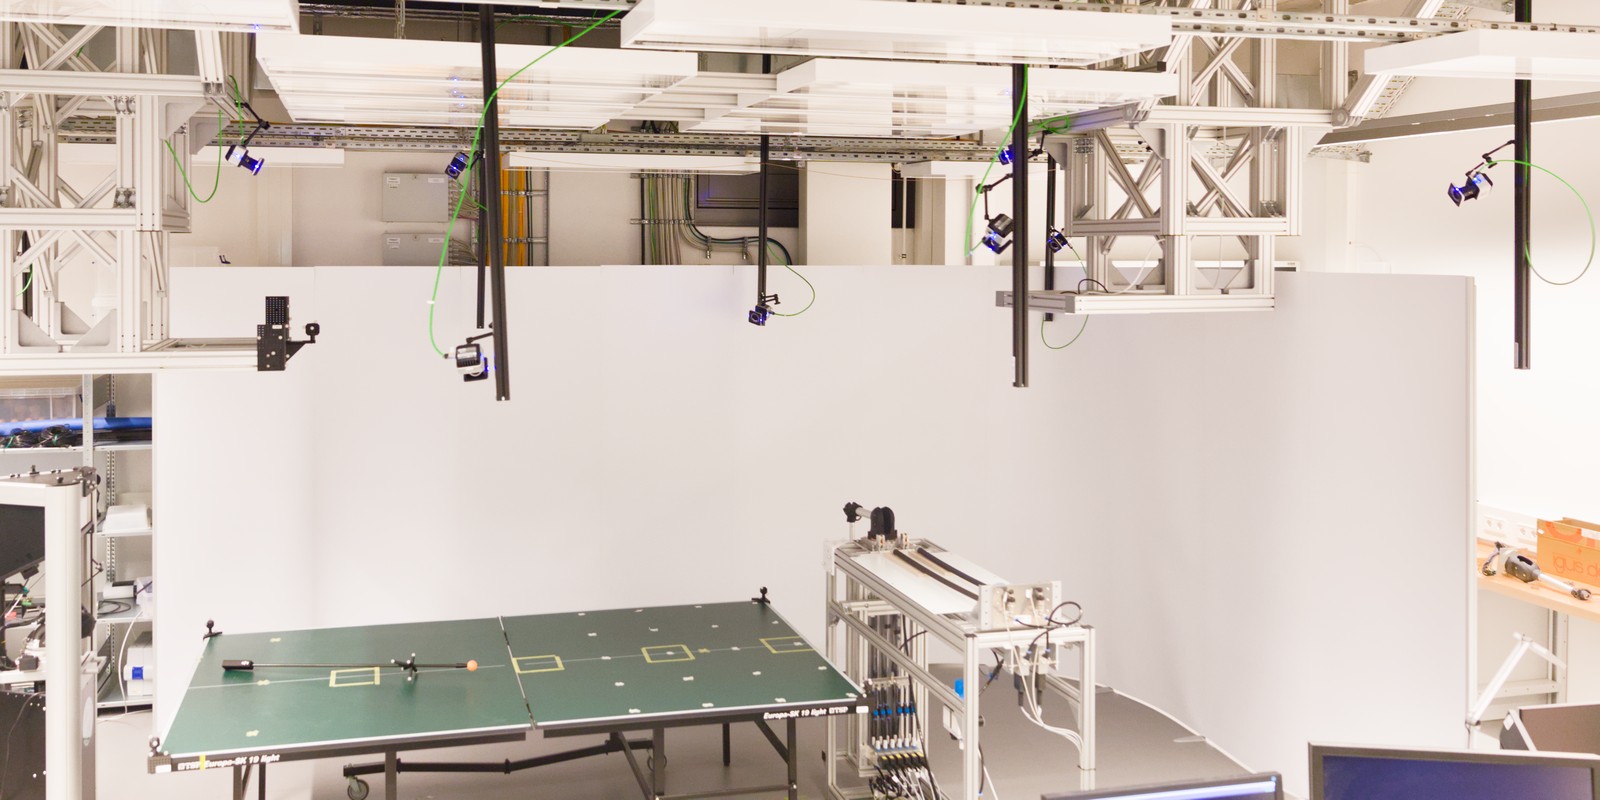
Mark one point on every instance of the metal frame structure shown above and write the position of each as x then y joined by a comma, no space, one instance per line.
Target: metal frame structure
63,495
53,224
1227,102
858,599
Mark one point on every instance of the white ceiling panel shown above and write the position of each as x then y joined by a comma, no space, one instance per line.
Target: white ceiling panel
414,82
629,162
708,94
847,97
234,15
893,30
1534,55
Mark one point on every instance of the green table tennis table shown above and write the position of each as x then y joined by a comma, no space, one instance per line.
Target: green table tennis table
613,672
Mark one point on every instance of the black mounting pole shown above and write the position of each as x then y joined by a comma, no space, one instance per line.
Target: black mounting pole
761,220
1049,227
1522,113
761,205
491,208
483,250
1019,214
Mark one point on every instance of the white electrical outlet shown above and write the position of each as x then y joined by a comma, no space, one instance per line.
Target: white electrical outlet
1508,527
1525,536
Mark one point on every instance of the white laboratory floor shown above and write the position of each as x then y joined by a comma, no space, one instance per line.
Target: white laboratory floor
1137,745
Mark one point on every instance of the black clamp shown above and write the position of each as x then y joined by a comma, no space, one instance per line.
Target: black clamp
763,598
210,632
883,524
273,345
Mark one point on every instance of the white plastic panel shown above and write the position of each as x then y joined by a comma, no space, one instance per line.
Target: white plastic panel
705,96
235,15
387,81
631,162
893,30
851,97
1534,55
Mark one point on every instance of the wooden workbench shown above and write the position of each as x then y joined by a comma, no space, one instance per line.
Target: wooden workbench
1536,593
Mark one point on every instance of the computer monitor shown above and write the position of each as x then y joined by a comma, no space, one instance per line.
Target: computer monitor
1562,728
1382,773
1266,786
21,539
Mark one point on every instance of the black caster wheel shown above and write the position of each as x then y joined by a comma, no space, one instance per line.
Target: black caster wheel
358,789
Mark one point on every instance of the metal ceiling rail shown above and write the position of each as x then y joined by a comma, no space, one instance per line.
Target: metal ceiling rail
1499,115
445,139
1247,24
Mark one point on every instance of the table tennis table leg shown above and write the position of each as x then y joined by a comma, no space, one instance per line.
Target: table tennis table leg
240,776
792,756
727,744
261,782
391,775
658,761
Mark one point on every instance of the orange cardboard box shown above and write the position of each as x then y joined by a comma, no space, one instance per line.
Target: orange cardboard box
1570,549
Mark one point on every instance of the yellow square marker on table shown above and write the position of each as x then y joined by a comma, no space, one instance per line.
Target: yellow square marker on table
667,653
371,675
779,645
527,665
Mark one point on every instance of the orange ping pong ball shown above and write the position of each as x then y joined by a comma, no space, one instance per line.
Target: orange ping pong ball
472,666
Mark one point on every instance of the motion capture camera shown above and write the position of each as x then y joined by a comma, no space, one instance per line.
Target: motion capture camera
997,239
1056,241
763,310
1471,189
241,157
457,165
471,363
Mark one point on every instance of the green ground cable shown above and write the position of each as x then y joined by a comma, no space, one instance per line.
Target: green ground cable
1075,339
1593,243
26,284
790,267
972,212
444,252
215,184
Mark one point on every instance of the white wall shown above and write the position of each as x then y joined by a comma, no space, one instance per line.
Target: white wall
1257,481
1533,427
660,449
844,213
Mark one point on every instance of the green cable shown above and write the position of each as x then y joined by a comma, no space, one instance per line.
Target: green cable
26,284
1075,339
972,212
215,184
444,252
1593,235
790,267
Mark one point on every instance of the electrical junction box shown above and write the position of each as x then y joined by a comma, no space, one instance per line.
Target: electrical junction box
412,249
416,197
137,675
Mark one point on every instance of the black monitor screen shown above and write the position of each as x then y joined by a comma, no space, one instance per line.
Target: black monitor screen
1350,777
1562,729
21,538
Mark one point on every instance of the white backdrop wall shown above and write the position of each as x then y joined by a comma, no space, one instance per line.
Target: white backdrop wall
1535,428
1194,480
1251,479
